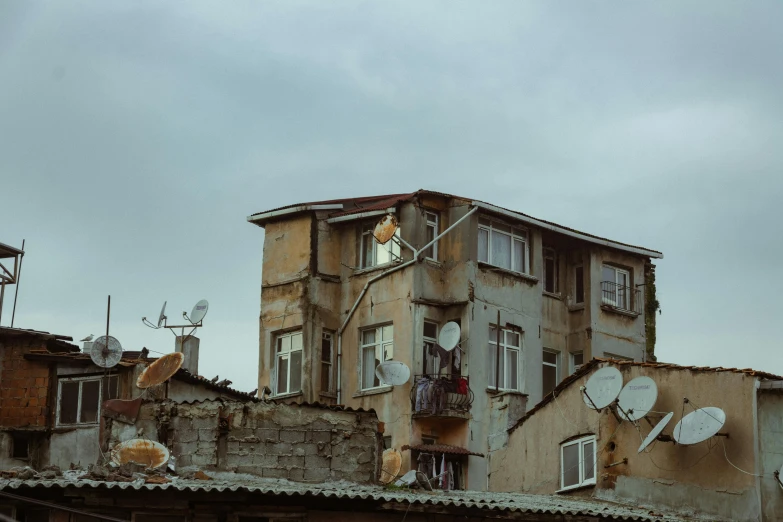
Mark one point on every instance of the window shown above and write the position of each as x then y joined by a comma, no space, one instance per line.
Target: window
80,398
374,253
428,441
387,442
432,233
431,360
551,283
577,360
288,361
614,287
551,370
377,347
503,246
510,350
327,355
579,284
20,445
577,463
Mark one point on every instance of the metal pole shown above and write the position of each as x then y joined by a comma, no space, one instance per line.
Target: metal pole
2,294
16,290
108,314
497,355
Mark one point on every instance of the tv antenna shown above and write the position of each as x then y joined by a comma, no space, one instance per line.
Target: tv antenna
194,320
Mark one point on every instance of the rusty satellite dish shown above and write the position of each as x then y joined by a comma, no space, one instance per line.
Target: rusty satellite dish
385,229
106,352
161,370
140,451
392,462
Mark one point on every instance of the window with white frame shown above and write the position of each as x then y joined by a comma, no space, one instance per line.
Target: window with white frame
503,246
577,360
288,362
431,359
550,370
79,398
327,361
577,462
615,289
510,353
374,253
432,232
377,347
551,276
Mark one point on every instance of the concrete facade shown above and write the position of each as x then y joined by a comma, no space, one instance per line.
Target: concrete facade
312,277
690,479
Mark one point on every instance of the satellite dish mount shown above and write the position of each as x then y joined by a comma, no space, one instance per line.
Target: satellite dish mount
194,320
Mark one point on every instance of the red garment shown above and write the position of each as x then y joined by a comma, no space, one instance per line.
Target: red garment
462,386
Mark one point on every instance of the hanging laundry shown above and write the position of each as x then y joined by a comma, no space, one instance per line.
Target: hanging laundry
444,356
457,357
422,394
444,481
462,386
451,477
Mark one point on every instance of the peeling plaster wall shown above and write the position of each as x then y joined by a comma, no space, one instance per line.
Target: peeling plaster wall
304,444
689,478
770,422
75,445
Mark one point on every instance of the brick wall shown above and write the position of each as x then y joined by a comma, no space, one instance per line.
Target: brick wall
24,385
300,443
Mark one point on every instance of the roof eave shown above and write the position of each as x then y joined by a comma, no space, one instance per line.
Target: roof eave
561,230
361,215
262,218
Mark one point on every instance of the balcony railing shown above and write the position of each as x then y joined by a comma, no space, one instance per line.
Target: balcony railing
441,395
623,298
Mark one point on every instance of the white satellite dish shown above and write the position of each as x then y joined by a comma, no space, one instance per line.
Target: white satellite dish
637,398
393,372
106,352
657,429
199,311
603,387
699,425
407,480
449,336
162,315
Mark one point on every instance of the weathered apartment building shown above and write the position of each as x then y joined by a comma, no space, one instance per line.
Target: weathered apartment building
563,447
534,301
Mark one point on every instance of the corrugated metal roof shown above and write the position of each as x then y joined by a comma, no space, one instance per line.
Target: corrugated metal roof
587,368
505,502
184,375
5,330
365,204
441,448
323,406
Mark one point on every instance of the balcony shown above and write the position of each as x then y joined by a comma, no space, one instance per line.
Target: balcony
625,300
441,396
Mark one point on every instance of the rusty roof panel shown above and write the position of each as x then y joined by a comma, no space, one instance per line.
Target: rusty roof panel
441,448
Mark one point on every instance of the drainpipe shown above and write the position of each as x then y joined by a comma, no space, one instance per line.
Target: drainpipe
416,254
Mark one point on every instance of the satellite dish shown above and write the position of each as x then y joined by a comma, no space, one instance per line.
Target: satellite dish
408,479
393,372
657,429
699,425
162,315
392,462
106,354
385,229
603,387
423,481
140,451
199,311
161,370
449,336
637,398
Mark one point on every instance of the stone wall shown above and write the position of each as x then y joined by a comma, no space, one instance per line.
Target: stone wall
24,385
300,443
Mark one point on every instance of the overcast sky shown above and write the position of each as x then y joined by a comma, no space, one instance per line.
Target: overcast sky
136,137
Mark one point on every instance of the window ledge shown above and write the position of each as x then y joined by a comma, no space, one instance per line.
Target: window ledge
331,395
569,489
553,295
375,268
373,391
532,280
627,313
576,308
286,395
501,392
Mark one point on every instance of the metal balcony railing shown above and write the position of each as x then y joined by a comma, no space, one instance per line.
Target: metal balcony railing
441,395
623,298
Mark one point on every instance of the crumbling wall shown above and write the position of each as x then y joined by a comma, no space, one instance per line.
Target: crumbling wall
24,385
301,443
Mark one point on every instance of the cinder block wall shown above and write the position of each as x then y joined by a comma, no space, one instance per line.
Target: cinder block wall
300,443
24,386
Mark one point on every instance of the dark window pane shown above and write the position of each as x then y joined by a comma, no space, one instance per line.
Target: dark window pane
387,443
20,446
571,465
282,374
69,402
296,371
580,284
588,457
550,378
579,358
430,330
326,349
326,377
549,275
90,398
483,245
550,357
